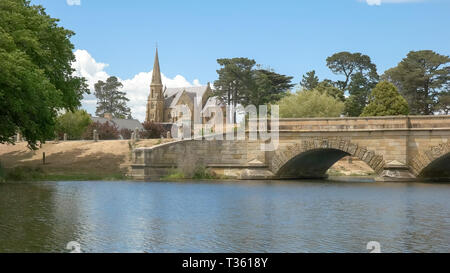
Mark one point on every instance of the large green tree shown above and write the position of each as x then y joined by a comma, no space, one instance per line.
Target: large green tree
235,80
36,77
359,90
421,77
267,86
348,64
309,104
242,82
444,102
385,100
110,99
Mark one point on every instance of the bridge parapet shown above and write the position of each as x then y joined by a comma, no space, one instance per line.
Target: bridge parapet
364,124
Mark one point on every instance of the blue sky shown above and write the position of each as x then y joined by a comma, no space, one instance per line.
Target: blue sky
290,36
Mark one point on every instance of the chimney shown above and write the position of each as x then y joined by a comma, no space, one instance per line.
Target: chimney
108,116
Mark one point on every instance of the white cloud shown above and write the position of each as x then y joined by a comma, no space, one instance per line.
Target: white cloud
137,88
379,2
74,2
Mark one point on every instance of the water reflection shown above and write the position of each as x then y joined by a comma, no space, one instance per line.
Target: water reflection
224,217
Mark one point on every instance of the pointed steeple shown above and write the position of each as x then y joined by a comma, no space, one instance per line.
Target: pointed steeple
156,77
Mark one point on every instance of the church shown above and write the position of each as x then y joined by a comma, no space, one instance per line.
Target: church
163,101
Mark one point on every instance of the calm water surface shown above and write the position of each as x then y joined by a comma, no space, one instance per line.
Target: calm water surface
320,216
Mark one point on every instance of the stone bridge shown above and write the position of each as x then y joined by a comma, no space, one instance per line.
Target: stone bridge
401,148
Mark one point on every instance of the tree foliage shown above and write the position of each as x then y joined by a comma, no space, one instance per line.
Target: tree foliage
328,88
110,99
267,87
385,100
420,78
310,104
347,64
74,124
36,77
310,80
235,80
359,90
242,82
444,102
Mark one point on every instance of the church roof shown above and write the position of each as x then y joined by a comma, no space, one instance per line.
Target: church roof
130,124
172,95
212,102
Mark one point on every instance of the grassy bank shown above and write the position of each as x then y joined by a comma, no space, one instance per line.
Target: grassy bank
68,161
38,174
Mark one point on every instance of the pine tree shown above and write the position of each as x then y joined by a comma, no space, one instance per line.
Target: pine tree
310,80
385,100
421,78
110,99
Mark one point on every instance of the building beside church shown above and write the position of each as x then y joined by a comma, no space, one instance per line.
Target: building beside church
163,101
128,124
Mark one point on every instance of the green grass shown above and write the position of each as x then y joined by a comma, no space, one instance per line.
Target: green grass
174,175
200,173
37,174
2,174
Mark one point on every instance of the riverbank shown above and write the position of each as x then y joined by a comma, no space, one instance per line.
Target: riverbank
103,160
70,160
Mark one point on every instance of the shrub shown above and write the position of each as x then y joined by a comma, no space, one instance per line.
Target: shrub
174,175
203,173
152,130
74,124
106,131
126,133
310,104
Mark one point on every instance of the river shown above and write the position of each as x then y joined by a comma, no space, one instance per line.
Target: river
256,216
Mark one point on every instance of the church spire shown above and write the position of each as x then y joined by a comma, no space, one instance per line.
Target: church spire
156,77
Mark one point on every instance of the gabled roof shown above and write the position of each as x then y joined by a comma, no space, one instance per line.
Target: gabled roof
173,95
199,90
212,102
130,124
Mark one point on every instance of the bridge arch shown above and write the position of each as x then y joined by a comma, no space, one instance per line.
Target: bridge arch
311,158
433,163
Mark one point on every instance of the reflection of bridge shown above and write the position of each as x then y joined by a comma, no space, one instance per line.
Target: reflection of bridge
396,148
